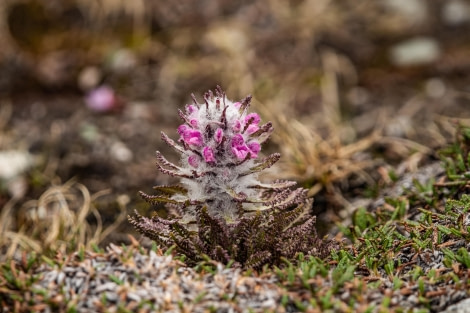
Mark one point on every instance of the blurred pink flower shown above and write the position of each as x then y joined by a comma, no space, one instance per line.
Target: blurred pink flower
101,99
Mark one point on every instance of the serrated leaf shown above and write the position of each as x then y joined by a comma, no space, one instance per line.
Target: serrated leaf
162,161
172,169
275,185
164,199
264,132
265,163
183,117
171,190
172,143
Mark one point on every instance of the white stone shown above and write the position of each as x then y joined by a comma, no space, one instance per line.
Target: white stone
415,51
455,12
14,163
89,78
460,307
121,152
123,60
414,11
435,88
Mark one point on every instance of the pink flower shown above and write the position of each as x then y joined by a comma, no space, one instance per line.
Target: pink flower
239,149
251,123
219,133
182,129
192,137
255,119
190,109
238,140
252,129
240,152
237,126
193,160
208,154
237,105
193,123
254,147
101,99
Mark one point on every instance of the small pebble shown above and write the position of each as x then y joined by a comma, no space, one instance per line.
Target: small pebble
415,51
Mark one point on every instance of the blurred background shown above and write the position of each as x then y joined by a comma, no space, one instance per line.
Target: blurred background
356,91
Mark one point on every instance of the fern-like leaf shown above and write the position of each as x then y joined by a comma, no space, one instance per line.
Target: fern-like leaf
258,259
285,219
280,184
287,198
172,143
154,228
265,163
163,199
162,161
212,230
183,117
171,190
220,254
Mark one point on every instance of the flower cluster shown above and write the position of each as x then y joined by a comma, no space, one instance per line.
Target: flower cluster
218,127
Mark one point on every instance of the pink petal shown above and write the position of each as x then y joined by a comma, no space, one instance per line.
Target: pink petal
238,140
252,129
190,109
254,147
193,160
239,149
254,117
192,137
237,105
219,133
208,154
237,126
101,99
240,152
182,129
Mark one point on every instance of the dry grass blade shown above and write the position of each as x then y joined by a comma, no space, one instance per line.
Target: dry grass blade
57,221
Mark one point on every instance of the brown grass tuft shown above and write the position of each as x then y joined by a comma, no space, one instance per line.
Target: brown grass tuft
57,221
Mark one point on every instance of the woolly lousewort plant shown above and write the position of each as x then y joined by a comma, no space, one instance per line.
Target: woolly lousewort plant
220,208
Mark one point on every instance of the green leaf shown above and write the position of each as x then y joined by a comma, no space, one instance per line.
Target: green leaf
463,257
362,219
